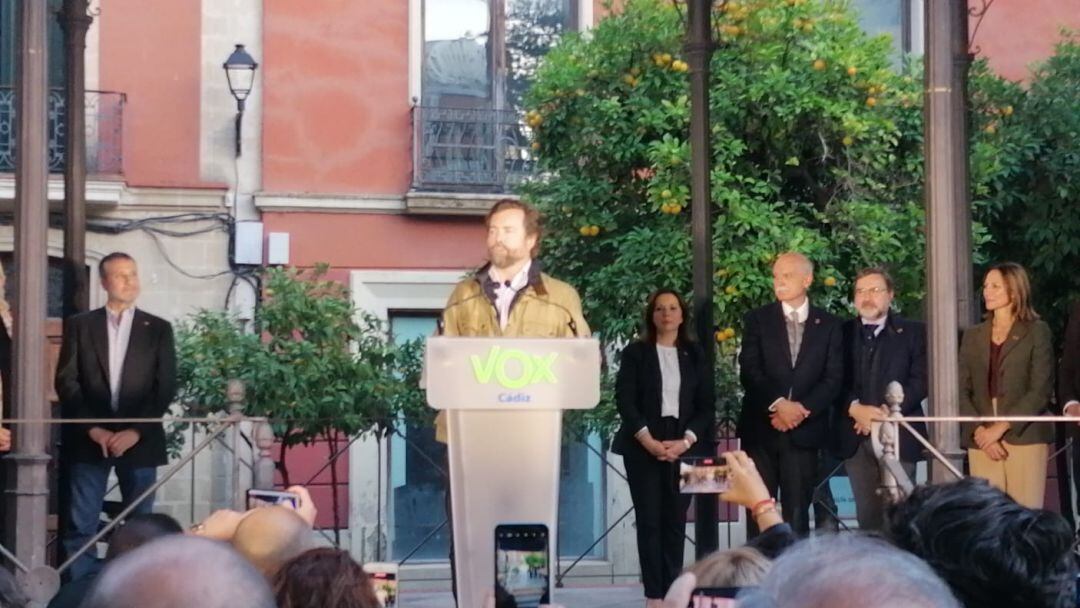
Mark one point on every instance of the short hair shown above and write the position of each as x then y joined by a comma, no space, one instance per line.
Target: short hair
808,265
740,567
991,550
270,536
323,578
878,270
116,255
179,571
842,570
139,529
649,328
533,222
1018,286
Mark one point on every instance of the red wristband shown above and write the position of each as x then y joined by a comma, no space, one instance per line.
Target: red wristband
767,501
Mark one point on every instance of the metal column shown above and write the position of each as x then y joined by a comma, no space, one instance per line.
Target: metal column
28,496
699,49
941,218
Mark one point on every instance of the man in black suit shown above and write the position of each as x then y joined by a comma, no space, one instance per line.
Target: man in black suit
879,347
791,370
1069,380
115,362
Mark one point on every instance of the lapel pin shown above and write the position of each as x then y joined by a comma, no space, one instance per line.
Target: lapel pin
899,330
817,321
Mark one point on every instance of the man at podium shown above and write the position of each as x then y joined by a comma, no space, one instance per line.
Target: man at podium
509,296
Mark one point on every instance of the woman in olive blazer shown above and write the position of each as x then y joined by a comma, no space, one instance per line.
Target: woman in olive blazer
1007,369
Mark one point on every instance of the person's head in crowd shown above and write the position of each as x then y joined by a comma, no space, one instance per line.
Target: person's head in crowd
848,571
137,530
741,567
666,311
270,536
180,571
1007,290
323,578
793,273
11,594
991,550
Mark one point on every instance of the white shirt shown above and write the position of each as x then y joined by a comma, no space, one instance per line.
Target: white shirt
671,380
504,295
118,327
803,310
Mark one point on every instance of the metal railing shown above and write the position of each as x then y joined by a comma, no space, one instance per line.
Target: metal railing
473,150
104,131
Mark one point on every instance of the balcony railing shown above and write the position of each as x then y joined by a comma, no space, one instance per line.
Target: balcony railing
104,131
469,150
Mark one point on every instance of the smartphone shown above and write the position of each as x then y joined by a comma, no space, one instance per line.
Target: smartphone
522,565
383,577
702,476
270,498
713,597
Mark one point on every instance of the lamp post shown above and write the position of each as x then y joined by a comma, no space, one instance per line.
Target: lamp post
240,72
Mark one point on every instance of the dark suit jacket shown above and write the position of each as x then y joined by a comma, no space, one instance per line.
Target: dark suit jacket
767,374
1026,376
900,357
147,387
638,388
1069,376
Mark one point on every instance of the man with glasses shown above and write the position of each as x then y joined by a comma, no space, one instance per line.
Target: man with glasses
880,347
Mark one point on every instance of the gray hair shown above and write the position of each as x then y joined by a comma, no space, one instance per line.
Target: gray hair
179,572
849,570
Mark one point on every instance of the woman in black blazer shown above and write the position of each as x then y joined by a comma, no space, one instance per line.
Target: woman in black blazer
663,402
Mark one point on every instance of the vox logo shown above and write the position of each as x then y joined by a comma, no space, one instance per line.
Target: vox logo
500,365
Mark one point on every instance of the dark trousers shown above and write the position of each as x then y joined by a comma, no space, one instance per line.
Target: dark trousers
660,512
864,473
791,470
86,490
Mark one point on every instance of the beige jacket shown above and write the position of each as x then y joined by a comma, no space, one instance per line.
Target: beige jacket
546,308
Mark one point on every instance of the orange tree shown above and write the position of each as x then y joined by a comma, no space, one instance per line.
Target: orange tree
816,137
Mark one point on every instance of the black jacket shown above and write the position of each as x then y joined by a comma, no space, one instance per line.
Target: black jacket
638,388
767,374
1069,373
147,387
900,356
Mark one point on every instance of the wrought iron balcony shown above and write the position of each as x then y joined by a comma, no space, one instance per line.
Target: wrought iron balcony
469,150
104,131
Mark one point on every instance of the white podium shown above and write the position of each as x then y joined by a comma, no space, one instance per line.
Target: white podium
504,399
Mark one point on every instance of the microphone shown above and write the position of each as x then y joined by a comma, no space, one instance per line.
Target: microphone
440,325
569,315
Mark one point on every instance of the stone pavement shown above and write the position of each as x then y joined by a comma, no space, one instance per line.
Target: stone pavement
609,596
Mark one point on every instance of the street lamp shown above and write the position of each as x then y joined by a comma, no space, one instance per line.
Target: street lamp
240,72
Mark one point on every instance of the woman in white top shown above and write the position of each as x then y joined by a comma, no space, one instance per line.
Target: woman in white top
663,403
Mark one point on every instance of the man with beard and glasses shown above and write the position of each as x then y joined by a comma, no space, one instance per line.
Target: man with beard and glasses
510,296
879,347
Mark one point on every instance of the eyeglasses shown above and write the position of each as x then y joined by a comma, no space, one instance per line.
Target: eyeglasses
871,290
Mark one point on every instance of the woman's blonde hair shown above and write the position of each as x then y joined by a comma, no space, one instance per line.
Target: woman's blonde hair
741,567
1018,286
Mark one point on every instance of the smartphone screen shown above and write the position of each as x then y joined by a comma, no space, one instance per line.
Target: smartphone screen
702,476
270,498
384,582
522,565
713,597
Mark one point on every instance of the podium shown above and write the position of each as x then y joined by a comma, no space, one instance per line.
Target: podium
504,399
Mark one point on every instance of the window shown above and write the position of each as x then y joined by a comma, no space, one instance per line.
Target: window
481,54
418,488
901,19
478,59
